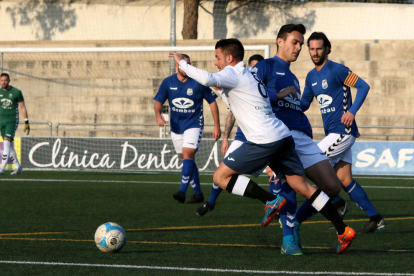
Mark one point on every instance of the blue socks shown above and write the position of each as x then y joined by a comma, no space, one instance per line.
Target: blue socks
189,177
215,192
288,213
358,195
195,183
275,188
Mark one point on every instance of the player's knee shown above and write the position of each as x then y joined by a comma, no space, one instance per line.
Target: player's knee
345,180
333,190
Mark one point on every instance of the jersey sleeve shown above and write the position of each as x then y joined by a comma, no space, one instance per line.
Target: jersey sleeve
20,97
208,94
350,79
345,75
162,93
307,95
226,78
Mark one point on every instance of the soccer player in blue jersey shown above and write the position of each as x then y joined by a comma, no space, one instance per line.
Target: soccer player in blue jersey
269,141
330,83
239,139
284,94
185,97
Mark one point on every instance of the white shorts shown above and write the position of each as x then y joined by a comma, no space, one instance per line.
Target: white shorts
308,151
191,138
337,147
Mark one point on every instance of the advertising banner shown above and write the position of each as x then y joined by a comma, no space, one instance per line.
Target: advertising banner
386,158
112,154
392,158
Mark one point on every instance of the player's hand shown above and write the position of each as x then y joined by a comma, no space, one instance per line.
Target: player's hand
216,133
286,92
26,127
160,120
224,146
177,56
348,118
270,173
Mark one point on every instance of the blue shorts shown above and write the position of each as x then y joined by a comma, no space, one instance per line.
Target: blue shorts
280,156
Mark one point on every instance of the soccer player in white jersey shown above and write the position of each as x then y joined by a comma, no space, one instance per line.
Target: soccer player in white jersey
269,141
226,149
185,97
330,82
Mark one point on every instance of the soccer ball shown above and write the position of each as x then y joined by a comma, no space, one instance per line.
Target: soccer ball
110,237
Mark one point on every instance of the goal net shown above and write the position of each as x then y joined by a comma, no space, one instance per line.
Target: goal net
104,98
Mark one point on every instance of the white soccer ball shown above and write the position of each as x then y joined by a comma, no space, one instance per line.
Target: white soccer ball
110,237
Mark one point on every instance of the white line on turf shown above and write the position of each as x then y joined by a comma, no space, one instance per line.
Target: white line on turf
210,269
150,182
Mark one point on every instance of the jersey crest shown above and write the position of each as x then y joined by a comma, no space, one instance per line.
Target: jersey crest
324,84
189,91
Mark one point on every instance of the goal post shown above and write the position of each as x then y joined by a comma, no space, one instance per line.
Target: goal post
102,96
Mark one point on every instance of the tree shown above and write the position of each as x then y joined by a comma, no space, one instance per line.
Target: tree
190,19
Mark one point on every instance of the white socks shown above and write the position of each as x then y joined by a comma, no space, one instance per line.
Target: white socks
6,153
13,157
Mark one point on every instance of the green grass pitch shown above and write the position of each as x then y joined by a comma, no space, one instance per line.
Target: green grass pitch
48,220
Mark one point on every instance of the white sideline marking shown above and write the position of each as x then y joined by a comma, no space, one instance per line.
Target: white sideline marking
210,269
152,182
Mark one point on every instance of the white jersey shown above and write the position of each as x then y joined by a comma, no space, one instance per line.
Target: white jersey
246,97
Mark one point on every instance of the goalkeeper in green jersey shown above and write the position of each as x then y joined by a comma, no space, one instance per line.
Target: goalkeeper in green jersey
11,99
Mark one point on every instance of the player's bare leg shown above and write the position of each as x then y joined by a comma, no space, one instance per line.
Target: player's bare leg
324,177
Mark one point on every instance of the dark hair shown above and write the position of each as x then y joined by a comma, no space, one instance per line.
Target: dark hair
231,46
287,29
321,36
185,56
256,57
5,75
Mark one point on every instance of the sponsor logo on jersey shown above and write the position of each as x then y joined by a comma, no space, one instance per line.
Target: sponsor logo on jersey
189,91
279,73
230,159
173,88
324,100
313,84
6,104
324,84
182,105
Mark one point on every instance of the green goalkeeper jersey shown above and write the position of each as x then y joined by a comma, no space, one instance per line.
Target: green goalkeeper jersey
9,107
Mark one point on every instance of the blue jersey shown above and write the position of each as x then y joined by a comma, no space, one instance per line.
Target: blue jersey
334,97
276,75
186,102
240,135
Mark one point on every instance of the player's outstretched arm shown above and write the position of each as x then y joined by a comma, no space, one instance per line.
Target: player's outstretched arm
159,118
215,112
226,78
23,109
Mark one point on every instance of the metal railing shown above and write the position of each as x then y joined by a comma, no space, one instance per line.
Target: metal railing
41,123
163,130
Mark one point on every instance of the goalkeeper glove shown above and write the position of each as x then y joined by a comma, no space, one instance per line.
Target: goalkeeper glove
26,127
